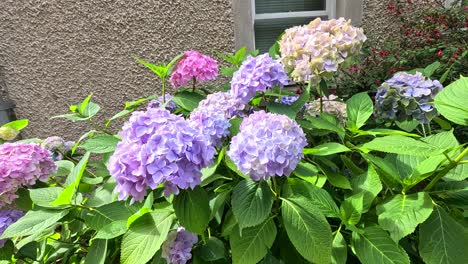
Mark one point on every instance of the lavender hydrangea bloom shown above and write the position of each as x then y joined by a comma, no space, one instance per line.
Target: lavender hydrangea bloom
222,102
256,74
170,105
267,145
8,217
212,124
177,249
288,100
158,147
57,146
407,96
22,165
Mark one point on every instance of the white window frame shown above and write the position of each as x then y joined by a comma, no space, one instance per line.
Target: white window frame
330,12
245,17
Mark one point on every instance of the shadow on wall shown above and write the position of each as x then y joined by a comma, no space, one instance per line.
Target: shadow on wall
6,106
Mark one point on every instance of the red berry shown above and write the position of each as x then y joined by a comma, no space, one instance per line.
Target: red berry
391,7
455,56
439,53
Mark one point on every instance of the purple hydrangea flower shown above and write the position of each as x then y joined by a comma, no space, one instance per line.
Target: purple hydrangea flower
407,96
7,218
194,66
177,249
222,102
256,74
57,146
288,100
212,124
267,145
170,105
22,165
158,147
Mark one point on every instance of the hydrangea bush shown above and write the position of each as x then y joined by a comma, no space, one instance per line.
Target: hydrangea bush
256,173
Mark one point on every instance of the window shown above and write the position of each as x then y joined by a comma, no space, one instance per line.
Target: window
272,17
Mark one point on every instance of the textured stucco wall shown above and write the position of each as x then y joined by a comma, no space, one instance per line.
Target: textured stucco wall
55,52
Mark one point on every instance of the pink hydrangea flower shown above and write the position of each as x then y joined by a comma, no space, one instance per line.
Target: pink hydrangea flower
194,66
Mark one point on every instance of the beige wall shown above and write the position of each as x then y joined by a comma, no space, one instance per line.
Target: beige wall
55,52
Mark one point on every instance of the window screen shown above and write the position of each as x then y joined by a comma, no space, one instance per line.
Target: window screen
278,6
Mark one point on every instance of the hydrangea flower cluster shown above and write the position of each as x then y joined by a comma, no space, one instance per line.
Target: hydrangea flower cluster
57,146
7,218
213,124
316,50
287,100
170,105
331,104
256,74
222,102
267,145
194,66
158,147
22,165
177,249
407,96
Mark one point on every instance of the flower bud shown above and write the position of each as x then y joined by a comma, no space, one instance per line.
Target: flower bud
8,133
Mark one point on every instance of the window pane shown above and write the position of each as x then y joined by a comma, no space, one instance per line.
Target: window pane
268,31
278,6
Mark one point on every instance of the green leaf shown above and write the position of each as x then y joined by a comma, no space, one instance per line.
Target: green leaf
235,124
318,198
339,249
83,106
251,202
44,196
253,244
298,105
112,230
403,213
359,108
213,250
34,222
442,239
453,192
337,179
97,252
159,70
73,181
384,168
229,223
352,208
401,145
408,125
147,208
326,122
100,144
431,68
375,246
326,149
106,214
369,185
385,132
192,209
452,101
281,109
17,124
308,172
187,100
308,230
145,237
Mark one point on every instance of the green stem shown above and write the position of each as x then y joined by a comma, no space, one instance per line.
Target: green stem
423,129
164,90
442,173
194,82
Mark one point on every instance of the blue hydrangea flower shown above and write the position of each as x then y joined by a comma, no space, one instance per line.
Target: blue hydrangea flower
171,106
212,124
256,74
7,218
288,100
158,147
267,145
58,146
407,96
222,102
177,249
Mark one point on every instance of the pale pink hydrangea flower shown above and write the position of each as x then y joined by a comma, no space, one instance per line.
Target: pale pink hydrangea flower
194,66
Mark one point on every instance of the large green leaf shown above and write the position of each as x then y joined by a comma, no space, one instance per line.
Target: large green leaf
106,214
145,237
319,198
352,208
212,250
97,252
403,213
453,192
100,144
401,145
192,209
308,230
452,101
326,149
250,246
187,100
369,184
359,108
442,239
281,109
374,245
251,202
339,249
44,196
34,222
